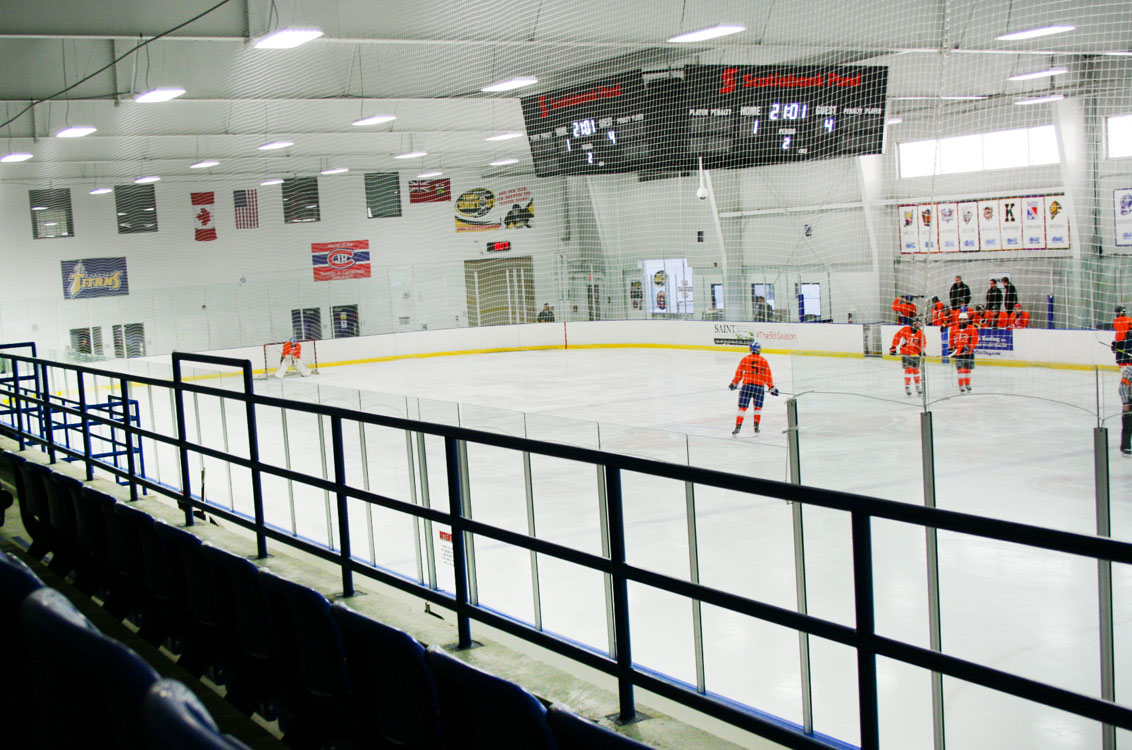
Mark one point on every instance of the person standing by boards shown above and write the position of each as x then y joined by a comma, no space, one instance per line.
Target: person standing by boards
964,339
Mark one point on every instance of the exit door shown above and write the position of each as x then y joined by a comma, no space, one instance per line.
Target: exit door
500,291
345,321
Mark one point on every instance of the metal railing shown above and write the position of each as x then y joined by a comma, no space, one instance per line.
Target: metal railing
29,404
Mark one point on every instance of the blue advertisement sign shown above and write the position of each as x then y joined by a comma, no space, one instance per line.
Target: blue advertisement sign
991,340
94,277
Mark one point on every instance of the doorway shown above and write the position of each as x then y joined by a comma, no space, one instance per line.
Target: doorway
345,319
306,323
500,291
129,340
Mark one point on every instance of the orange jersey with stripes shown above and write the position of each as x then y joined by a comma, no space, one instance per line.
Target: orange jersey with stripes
1122,324
964,340
1020,319
753,370
294,349
940,314
913,344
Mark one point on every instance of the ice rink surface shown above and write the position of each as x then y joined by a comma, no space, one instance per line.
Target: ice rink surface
1020,447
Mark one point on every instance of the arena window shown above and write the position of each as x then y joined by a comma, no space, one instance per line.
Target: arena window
980,152
137,208
51,213
1119,136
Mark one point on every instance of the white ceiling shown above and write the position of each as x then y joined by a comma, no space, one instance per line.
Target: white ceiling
425,61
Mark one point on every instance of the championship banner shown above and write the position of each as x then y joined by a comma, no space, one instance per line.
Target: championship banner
94,277
947,219
989,236
1122,213
929,239
481,209
430,191
334,261
1033,223
1010,224
909,230
968,226
1057,223
204,216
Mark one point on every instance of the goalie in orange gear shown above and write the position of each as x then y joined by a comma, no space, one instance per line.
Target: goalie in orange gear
910,341
291,357
753,374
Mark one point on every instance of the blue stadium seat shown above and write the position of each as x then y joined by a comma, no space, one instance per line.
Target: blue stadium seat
572,732
16,581
311,663
15,462
152,581
91,536
89,689
61,491
242,612
484,711
37,521
175,718
392,687
203,646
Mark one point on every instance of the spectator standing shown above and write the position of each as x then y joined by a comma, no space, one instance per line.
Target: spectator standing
994,301
960,294
545,315
1009,295
763,311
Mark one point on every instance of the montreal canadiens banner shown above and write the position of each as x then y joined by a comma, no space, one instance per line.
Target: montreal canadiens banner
334,261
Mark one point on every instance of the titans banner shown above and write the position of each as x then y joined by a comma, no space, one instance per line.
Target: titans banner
94,277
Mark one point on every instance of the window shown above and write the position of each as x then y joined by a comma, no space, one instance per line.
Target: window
137,208
383,195
51,213
979,152
300,200
1119,136
306,323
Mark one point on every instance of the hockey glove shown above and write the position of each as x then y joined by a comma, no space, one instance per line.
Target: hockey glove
731,386
892,351
1112,347
774,391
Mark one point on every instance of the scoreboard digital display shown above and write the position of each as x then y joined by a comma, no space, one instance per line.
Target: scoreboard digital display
599,127
770,114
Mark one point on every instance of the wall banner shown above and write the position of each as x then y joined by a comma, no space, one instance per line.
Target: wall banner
94,277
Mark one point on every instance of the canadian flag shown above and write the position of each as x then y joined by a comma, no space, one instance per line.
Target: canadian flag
203,216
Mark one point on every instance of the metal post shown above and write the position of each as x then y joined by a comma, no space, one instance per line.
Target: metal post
801,598
131,465
624,653
469,541
45,412
325,475
694,573
866,631
86,430
456,510
343,510
253,456
17,404
227,464
1104,581
935,630
528,484
182,441
287,465
426,502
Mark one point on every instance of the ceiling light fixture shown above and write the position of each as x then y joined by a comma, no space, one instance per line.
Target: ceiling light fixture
1039,74
101,191
14,157
503,162
288,38
1017,36
411,155
39,208
424,175
1040,99
78,131
503,137
272,181
273,145
894,121
204,164
335,170
711,32
510,84
159,95
374,120
145,180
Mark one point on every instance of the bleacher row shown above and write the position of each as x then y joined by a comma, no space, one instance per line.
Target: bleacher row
331,677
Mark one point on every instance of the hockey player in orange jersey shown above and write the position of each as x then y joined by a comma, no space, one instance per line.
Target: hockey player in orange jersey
291,357
752,377
962,342
910,341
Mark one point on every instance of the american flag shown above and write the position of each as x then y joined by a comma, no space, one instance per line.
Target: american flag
247,209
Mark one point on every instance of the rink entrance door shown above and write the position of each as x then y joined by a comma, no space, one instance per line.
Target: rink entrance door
500,291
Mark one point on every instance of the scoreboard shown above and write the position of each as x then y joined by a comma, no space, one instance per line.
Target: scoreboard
767,114
594,128
730,116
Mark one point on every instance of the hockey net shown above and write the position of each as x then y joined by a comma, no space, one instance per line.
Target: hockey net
273,356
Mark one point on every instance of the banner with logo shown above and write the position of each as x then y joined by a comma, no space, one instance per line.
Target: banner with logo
991,341
1033,222
94,277
482,209
669,285
430,191
334,261
1122,210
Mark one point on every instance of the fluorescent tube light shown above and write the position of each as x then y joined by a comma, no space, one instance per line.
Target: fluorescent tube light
1017,36
374,120
1039,74
159,95
335,170
711,32
511,83
273,145
204,164
78,131
14,157
1040,99
504,162
411,155
145,180
272,181
503,137
288,38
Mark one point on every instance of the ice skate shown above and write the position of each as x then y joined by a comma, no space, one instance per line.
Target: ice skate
755,426
907,390
736,430
1126,451
919,391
